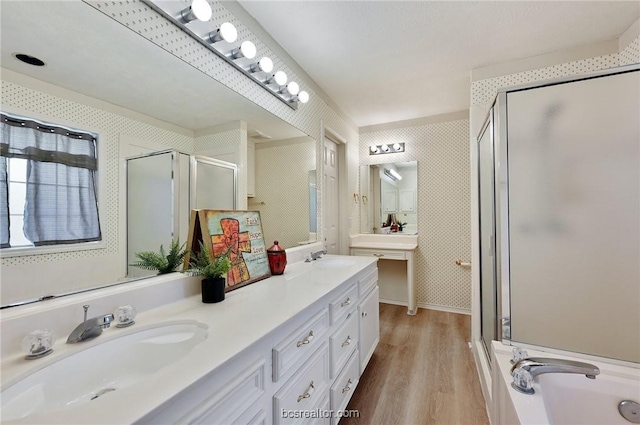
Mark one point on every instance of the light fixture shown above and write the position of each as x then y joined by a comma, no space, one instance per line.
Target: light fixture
241,57
386,148
265,65
303,97
199,9
227,32
293,88
279,78
392,174
246,50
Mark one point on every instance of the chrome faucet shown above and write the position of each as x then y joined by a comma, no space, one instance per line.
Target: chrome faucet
525,370
315,255
90,328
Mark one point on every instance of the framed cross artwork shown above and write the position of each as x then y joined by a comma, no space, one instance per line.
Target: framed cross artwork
236,235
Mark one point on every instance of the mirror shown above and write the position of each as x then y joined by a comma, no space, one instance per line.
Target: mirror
389,198
102,77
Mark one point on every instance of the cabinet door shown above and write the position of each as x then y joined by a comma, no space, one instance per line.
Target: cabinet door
407,201
369,327
390,201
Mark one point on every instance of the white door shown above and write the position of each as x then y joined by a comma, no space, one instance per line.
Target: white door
331,205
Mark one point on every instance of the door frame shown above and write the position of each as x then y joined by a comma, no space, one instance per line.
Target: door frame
341,142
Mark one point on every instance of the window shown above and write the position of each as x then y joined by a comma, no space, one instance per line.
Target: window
47,184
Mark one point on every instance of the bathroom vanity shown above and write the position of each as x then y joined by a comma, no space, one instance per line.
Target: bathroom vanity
391,247
288,349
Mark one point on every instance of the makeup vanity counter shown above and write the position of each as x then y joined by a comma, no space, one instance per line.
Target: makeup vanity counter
274,349
390,247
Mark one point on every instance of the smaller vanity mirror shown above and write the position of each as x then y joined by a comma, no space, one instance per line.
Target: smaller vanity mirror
389,198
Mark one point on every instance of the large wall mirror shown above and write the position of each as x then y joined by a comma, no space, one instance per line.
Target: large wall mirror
389,198
104,78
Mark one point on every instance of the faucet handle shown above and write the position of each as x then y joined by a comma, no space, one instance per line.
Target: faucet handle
522,381
38,344
518,354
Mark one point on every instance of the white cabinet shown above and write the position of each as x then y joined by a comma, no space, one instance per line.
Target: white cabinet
407,201
390,201
369,326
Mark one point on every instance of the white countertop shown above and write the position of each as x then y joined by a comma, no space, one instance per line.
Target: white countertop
246,316
375,241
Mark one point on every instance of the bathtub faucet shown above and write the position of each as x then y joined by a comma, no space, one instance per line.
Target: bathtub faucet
525,370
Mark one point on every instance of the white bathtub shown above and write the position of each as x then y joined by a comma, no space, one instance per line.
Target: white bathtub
565,399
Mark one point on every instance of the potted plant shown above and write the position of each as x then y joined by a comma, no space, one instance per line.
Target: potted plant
401,225
213,270
161,261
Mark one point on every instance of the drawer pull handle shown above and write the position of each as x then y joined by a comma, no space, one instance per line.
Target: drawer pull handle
307,393
378,255
347,341
306,340
346,303
347,388
364,314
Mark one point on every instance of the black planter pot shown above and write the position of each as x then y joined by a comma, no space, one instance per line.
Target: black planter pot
213,290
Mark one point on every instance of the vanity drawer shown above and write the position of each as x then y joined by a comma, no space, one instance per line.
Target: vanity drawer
343,304
235,403
343,342
367,283
344,386
298,346
305,391
382,254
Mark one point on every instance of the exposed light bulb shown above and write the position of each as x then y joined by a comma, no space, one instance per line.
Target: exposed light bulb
303,97
247,50
293,88
397,147
374,149
199,9
226,32
265,65
385,148
280,78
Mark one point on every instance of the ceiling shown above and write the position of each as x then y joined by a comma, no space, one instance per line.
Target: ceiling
123,69
386,61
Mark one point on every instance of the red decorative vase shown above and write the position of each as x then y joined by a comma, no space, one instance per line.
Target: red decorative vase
277,258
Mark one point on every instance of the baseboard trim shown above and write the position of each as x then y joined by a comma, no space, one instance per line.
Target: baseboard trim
445,308
448,309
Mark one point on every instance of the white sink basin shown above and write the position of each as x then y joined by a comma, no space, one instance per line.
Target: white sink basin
99,369
331,263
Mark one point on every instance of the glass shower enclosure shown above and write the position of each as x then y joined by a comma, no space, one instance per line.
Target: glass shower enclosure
559,194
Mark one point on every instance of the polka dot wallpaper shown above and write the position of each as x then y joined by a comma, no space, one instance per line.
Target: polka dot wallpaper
442,152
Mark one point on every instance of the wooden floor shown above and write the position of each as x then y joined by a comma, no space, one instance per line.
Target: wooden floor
422,372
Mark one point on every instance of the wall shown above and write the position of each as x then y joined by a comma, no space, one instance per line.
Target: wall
67,271
441,149
282,188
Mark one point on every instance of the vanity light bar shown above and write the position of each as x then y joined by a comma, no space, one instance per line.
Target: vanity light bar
220,40
386,148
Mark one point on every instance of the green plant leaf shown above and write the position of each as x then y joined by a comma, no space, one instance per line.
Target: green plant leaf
204,264
161,261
